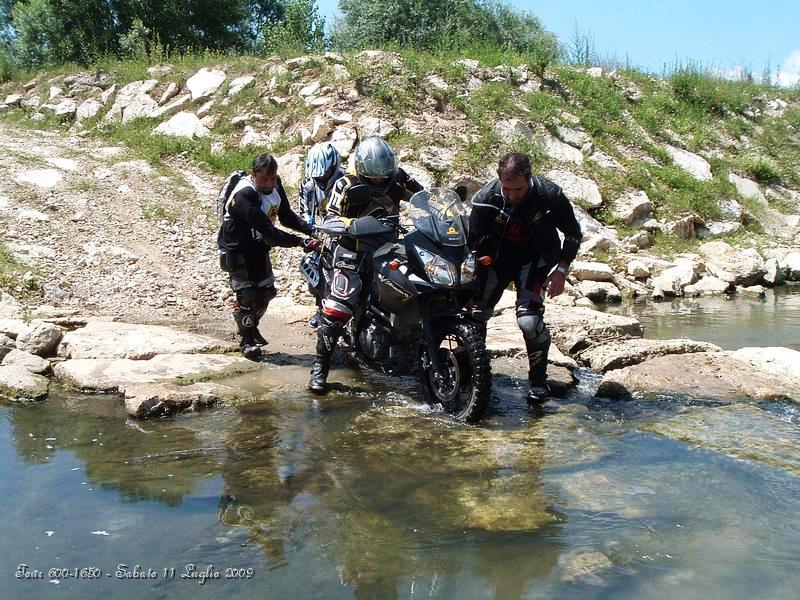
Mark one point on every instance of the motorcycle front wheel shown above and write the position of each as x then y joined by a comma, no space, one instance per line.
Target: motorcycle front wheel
463,383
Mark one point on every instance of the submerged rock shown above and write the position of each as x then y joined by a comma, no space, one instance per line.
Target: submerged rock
161,399
713,376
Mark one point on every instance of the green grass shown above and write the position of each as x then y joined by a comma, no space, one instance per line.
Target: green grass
13,278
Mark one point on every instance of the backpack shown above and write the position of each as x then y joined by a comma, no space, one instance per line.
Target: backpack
225,192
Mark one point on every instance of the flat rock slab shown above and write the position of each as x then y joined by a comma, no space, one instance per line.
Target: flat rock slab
108,340
117,375
625,353
162,399
575,328
19,384
26,360
504,338
714,376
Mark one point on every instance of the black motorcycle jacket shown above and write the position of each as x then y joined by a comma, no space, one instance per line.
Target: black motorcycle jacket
541,215
248,225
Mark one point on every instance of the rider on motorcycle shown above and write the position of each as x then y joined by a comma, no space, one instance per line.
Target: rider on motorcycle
376,189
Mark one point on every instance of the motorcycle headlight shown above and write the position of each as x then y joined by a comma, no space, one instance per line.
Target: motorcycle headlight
468,269
438,269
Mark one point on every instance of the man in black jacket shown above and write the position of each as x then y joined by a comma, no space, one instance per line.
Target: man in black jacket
247,234
515,221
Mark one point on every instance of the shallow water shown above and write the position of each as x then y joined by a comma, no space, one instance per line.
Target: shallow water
736,322
367,494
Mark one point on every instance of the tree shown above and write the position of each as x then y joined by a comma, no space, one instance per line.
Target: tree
443,25
301,30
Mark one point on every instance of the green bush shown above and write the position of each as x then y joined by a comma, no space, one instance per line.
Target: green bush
762,169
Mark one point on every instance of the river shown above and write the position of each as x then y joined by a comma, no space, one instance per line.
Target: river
367,494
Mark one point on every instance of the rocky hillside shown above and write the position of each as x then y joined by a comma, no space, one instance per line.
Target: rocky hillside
110,176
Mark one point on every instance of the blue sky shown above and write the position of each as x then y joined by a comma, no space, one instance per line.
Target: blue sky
716,33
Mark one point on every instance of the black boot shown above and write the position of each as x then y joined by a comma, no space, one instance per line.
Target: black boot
245,323
327,335
538,389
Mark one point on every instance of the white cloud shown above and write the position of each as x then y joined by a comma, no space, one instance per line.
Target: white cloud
789,74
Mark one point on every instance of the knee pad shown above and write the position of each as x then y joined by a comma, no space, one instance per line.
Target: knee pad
246,298
533,329
263,297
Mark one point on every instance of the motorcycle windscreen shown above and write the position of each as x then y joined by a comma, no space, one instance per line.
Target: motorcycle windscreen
440,215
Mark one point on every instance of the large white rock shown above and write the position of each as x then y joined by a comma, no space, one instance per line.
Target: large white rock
125,96
9,307
616,354
19,384
736,266
791,265
695,165
577,188
638,269
26,360
88,109
558,150
205,82
184,124
747,188
290,168
240,83
593,271
774,273
420,174
66,108
369,126
344,140
600,291
671,281
512,131
110,339
774,360
573,137
140,106
731,210
632,207
172,107
708,286
117,375
13,99
40,338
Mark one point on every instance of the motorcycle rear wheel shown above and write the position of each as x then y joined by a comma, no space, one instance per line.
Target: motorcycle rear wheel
464,384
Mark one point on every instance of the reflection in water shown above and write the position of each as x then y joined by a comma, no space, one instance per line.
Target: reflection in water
365,494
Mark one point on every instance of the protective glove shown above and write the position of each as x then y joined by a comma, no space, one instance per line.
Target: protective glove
311,245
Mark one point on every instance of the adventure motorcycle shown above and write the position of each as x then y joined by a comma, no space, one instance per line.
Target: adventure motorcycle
411,316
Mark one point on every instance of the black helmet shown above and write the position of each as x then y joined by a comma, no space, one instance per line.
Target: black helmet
375,159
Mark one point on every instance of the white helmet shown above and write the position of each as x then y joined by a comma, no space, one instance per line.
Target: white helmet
321,159
376,159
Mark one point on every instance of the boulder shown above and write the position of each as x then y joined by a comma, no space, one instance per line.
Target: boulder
791,265
683,227
140,106
184,124
513,131
559,151
13,99
712,376
124,97
731,210
717,229
344,140
617,354
109,339
577,188
369,126
9,307
641,239
632,207
19,384
172,107
169,93
290,167
671,281
162,399
117,375
575,328
240,83
693,164
67,108
708,286
736,266
600,291
747,188
88,108
592,271
774,273
40,338
205,82
774,360
26,360
6,345
638,269
574,137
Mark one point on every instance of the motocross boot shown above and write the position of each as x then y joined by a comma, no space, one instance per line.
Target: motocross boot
538,390
245,323
327,336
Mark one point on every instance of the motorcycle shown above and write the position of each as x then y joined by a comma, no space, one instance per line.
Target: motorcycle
411,317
